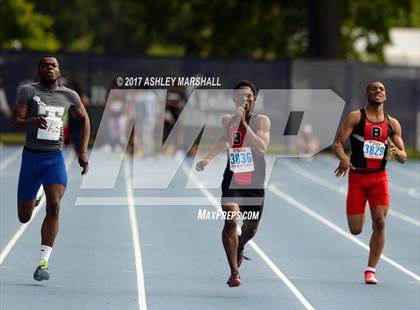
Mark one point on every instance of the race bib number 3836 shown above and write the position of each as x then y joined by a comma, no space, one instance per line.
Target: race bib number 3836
240,159
373,149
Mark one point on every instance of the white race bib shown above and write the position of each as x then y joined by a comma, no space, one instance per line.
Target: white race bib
240,159
373,149
54,117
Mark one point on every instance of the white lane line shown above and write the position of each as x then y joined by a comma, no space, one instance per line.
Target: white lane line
9,246
256,248
405,190
281,275
141,291
9,159
411,191
404,171
341,190
336,228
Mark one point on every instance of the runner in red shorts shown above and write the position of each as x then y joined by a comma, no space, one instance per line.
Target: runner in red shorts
374,137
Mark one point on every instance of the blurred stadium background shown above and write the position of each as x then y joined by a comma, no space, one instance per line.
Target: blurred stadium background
303,44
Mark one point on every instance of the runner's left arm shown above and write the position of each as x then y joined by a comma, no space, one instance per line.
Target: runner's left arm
396,146
82,115
218,146
261,137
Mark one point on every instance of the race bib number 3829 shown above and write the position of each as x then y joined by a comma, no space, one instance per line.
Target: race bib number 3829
373,149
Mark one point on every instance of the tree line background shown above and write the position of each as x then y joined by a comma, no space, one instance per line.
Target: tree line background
316,29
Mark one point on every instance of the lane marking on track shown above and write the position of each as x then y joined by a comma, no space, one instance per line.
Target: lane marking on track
9,246
316,179
256,248
141,291
405,171
10,159
336,228
411,191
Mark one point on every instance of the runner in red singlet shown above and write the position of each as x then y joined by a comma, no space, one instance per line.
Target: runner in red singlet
247,136
374,137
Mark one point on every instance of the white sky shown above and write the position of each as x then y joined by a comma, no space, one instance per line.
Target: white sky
405,47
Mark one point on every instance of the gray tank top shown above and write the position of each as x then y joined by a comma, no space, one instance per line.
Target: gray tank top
53,105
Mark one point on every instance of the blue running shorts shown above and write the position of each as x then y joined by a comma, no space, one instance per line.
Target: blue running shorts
40,167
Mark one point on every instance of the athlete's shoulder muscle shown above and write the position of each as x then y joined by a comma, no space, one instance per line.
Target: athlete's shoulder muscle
72,96
263,122
263,117
24,94
352,119
395,124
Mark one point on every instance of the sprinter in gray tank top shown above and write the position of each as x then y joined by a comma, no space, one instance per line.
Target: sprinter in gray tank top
40,109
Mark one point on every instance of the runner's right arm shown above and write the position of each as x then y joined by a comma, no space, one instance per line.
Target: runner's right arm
21,122
343,135
218,147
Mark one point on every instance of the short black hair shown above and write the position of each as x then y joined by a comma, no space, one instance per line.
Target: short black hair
43,57
371,82
246,83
